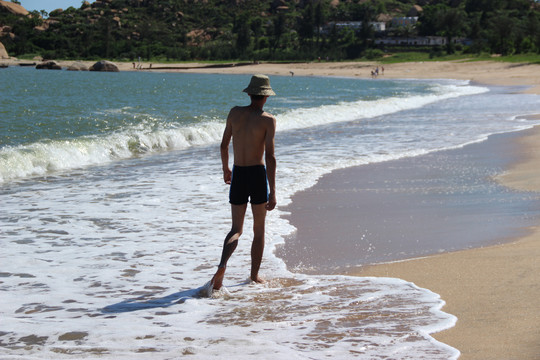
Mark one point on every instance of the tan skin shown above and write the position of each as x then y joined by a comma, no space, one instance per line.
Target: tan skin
252,131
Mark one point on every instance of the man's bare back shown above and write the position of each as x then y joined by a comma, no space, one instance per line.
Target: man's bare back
252,131
249,128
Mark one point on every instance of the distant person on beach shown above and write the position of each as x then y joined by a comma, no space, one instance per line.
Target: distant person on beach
252,131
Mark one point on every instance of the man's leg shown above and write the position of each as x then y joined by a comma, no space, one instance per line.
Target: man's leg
257,247
230,243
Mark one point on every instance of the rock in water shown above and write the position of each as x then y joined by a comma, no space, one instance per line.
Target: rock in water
104,65
49,65
78,66
3,52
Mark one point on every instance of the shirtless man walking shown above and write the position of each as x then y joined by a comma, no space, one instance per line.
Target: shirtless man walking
252,131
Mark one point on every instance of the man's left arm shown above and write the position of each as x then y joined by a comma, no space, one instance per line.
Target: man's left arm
270,160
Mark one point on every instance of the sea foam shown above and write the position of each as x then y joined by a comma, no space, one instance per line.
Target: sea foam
108,261
45,157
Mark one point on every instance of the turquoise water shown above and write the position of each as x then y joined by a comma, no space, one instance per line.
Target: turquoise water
113,212
53,106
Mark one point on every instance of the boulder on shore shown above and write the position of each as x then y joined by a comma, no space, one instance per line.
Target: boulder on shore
49,65
13,8
78,66
104,65
3,52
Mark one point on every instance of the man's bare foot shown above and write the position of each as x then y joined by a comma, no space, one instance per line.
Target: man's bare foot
217,279
258,280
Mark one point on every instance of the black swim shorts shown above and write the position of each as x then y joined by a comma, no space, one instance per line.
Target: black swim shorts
248,182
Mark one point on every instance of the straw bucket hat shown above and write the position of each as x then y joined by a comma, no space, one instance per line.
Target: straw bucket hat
259,85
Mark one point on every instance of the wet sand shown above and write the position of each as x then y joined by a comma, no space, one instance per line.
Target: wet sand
493,291
408,208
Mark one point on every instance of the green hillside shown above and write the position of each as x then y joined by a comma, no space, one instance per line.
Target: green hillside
177,30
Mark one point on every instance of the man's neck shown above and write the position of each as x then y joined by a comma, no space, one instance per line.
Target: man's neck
255,105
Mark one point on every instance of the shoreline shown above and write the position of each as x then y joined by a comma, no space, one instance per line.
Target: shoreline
407,208
483,72
493,291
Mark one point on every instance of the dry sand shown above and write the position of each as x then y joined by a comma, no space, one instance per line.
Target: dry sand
487,72
494,291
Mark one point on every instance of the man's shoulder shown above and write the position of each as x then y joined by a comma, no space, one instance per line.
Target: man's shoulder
237,108
268,117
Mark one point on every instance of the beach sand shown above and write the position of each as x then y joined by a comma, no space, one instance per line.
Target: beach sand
486,72
493,291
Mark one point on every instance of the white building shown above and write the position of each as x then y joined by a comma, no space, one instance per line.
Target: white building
418,41
404,21
355,25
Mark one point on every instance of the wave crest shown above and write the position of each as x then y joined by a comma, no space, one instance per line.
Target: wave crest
41,158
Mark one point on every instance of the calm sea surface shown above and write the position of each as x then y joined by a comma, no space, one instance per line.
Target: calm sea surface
113,212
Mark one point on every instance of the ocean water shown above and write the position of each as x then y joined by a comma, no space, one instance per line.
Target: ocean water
113,213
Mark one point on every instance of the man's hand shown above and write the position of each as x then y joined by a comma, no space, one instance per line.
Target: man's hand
227,176
271,204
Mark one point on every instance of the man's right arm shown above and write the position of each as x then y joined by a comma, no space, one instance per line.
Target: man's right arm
224,149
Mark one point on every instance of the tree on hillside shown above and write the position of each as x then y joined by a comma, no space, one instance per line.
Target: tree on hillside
321,14
532,32
266,29
502,33
366,33
277,30
442,20
306,27
243,34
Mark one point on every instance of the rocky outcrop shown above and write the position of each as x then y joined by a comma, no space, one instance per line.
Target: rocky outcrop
104,65
46,24
415,10
7,31
3,52
49,65
78,66
56,12
197,37
13,8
